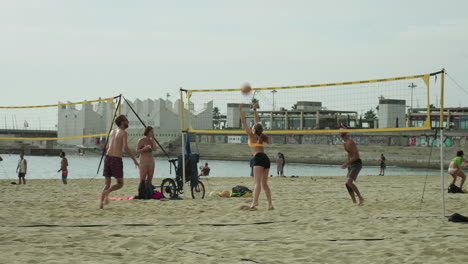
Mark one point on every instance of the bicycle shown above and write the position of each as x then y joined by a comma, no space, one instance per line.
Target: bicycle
171,188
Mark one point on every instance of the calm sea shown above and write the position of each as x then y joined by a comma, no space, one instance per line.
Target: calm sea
86,167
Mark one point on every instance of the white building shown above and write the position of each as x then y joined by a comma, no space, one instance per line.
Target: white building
392,113
162,115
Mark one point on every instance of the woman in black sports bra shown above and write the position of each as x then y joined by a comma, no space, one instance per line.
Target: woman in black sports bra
261,161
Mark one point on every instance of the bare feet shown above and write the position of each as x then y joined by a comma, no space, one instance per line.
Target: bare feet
248,208
361,201
271,208
104,199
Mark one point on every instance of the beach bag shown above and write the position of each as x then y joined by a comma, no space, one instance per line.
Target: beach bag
145,190
239,191
454,189
158,195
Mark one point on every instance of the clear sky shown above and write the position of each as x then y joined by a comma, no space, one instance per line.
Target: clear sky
84,49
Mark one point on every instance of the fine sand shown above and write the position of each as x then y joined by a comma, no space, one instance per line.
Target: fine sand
314,221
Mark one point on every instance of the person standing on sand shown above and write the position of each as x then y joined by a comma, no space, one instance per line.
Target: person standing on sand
63,167
261,161
21,169
280,164
382,165
113,165
145,148
354,165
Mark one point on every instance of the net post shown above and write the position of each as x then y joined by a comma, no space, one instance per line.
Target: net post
182,129
442,187
428,118
181,110
441,125
189,110
183,164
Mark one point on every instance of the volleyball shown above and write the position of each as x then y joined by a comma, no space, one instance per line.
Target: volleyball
246,89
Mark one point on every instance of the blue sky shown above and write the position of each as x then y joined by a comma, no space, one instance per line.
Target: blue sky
75,50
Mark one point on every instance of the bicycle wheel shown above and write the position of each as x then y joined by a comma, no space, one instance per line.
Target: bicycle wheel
198,191
168,188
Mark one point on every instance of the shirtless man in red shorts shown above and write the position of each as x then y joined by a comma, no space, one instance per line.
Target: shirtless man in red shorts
113,166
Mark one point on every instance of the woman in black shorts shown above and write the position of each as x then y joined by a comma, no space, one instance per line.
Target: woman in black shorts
261,164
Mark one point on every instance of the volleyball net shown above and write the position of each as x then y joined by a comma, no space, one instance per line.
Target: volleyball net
388,104
84,123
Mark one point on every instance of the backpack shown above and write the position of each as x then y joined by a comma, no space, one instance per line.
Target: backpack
145,190
239,191
454,189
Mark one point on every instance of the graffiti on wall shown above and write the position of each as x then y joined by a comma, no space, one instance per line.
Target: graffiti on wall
415,141
434,141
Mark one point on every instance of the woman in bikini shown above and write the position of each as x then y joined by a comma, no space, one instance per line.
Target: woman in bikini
145,148
455,168
261,161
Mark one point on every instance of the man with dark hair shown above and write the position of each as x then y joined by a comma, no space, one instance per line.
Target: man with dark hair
64,167
113,165
354,165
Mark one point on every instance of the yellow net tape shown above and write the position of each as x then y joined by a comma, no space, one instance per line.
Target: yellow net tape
315,85
55,105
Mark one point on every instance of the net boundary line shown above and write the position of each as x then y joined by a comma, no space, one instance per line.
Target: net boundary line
55,105
282,132
318,85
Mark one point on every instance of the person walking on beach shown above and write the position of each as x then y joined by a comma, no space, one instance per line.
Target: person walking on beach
261,168
145,148
63,167
21,169
280,164
456,166
354,165
382,165
113,165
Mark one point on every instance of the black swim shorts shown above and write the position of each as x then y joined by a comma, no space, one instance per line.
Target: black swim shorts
354,169
261,159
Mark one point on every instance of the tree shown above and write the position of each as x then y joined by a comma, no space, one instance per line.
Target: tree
294,107
370,115
216,116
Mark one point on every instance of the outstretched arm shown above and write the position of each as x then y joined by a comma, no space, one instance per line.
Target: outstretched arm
244,123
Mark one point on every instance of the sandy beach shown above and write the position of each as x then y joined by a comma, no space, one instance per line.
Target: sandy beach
314,221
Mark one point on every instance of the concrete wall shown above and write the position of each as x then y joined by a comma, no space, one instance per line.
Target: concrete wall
400,150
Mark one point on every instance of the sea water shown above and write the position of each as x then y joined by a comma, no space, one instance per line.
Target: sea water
85,167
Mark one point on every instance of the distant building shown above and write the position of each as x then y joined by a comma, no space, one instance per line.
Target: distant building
306,116
162,115
392,113
454,117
